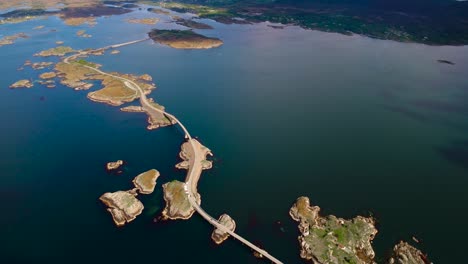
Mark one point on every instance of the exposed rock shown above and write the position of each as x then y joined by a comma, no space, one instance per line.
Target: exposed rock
8,40
113,165
77,21
123,205
330,239
146,21
177,203
404,253
48,75
22,84
146,181
38,65
146,77
218,236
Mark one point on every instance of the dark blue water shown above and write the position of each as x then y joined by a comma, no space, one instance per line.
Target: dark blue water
356,124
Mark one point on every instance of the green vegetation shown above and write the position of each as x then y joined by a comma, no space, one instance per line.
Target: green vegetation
86,63
429,26
340,239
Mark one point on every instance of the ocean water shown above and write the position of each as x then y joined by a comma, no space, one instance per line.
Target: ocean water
361,126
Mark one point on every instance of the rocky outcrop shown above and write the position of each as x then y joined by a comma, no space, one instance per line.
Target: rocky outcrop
155,119
185,154
22,84
113,165
330,239
218,236
123,206
177,203
57,51
404,253
47,75
8,40
146,181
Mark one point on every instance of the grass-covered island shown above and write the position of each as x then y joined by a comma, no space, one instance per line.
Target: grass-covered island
183,39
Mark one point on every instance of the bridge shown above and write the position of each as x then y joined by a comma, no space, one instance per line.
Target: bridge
195,167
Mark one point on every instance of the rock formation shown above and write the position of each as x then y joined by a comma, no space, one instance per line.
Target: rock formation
404,253
113,165
22,84
123,205
218,236
146,181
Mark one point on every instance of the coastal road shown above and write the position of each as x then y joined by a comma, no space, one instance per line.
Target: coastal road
195,152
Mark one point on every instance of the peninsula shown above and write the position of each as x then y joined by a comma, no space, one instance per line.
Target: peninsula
184,39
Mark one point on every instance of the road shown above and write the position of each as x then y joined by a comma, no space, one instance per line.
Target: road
195,168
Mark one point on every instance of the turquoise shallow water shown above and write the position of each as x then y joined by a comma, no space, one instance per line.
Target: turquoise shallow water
356,124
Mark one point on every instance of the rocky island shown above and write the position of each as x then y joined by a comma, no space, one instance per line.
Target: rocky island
123,206
113,165
177,203
22,84
330,239
8,40
57,51
404,253
183,39
218,236
145,21
146,181
47,75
